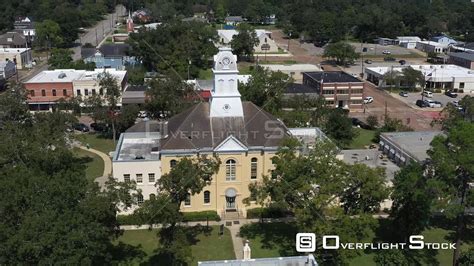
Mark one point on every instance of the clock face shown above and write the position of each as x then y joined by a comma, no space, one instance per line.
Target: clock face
226,61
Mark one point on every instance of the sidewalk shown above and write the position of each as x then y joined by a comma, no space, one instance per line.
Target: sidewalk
107,164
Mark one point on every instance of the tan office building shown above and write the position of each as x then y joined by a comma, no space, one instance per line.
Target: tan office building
21,56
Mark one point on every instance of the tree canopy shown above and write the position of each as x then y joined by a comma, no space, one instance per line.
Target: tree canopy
243,44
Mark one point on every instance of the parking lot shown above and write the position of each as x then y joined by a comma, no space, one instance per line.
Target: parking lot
440,97
377,50
356,69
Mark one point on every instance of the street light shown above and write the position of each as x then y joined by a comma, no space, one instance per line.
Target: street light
289,38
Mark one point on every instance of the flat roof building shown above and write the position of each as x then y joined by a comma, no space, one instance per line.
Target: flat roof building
22,57
404,147
432,47
462,59
450,77
339,88
295,70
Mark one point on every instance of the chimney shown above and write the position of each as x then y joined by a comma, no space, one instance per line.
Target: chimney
247,251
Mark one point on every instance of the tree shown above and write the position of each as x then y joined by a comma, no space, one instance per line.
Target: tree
391,257
412,201
48,34
167,97
187,178
175,47
451,114
312,186
338,126
51,213
372,121
265,88
413,77
364,189
392,78
342,52
453,171
62,59
243,44
108,84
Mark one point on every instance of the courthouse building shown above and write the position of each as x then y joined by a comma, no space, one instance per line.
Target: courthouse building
241,134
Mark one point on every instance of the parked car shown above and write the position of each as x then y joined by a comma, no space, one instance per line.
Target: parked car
389,59
451,94
434,104
403,94
428,94
98,127
80,127
359,123
422,104
386,52
456,105
368,61
402,62
368,99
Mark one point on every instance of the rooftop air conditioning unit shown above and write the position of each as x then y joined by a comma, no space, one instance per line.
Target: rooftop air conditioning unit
62,75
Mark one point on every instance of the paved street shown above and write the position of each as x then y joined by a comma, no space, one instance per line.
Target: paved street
97,33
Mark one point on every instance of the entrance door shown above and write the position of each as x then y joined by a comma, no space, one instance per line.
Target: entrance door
230,195
340,104
230,203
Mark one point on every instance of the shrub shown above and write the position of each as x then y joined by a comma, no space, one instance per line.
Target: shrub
270,212
200,216
128,219
134,219
437,90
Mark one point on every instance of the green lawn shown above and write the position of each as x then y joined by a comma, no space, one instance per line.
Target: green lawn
94,164
207,246
277,239
97,142
364,138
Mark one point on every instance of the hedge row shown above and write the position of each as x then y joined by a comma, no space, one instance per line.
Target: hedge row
187,217
201,216
270,212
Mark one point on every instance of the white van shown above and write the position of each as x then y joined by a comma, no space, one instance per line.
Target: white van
428,94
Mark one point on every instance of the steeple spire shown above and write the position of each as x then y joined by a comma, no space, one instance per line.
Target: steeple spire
225,96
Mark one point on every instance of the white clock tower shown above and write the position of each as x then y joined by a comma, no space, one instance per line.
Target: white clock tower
225,97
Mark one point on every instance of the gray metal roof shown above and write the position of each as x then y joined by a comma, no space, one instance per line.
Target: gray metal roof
466,56
195,129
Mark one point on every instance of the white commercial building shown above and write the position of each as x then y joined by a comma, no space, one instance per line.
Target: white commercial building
432,47
264,37
408,42
450,77
20,56
294,70
87,84
137,158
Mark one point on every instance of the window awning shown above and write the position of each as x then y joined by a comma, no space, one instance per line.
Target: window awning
230,193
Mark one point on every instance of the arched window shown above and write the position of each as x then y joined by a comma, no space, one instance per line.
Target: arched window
207,197
253,168
172,163
230,170
152,196
187,201
140,199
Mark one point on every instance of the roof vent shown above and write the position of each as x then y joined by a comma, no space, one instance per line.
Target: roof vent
61,75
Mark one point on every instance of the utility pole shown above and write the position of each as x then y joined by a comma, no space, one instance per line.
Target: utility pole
289,38
96,38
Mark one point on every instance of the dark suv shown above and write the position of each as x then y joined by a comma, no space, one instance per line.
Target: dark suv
451,94
80,127
422,104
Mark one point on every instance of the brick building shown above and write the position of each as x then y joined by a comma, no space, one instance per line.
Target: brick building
337,87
